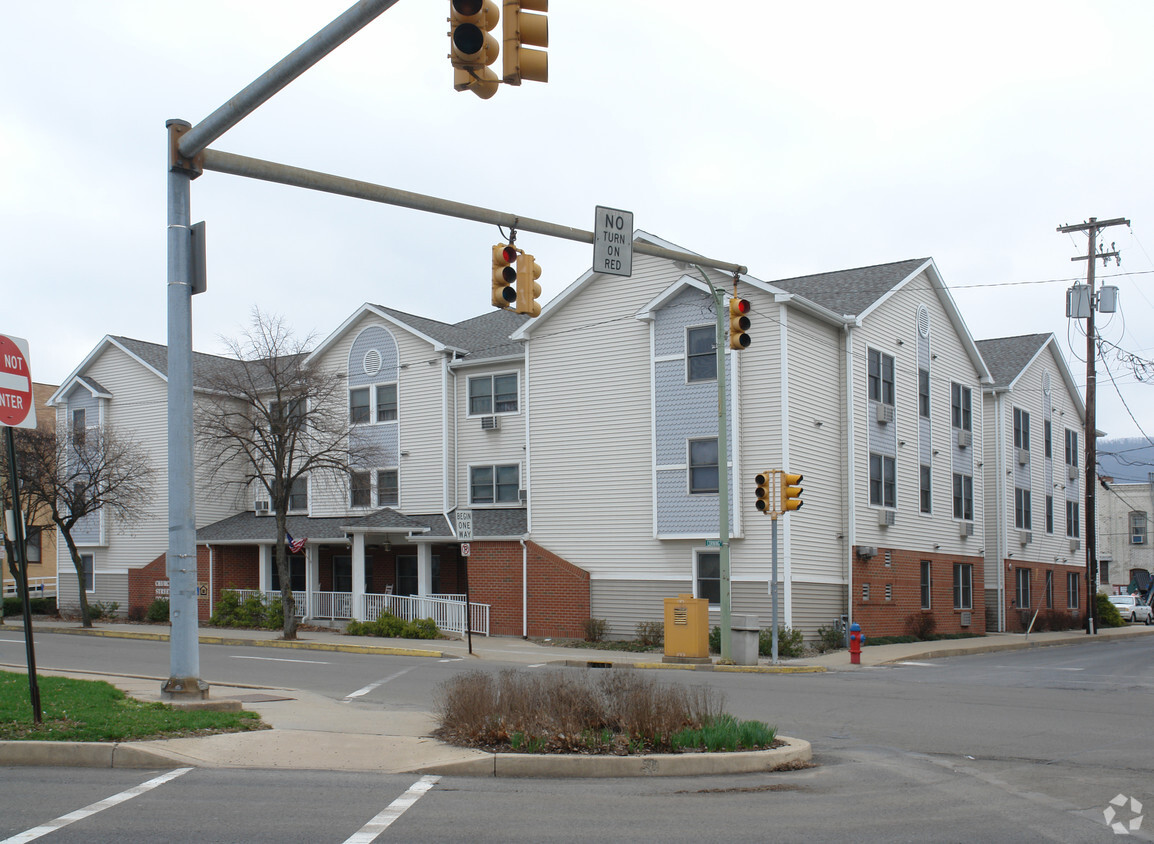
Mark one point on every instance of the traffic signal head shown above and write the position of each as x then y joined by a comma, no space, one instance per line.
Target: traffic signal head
522,29
790,492
738,323
473,49
763,495
528,271
504,274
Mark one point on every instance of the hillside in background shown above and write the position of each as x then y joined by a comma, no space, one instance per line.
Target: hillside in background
1126,460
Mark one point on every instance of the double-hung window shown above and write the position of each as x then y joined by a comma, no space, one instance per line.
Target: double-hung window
497,484
359,406
88,568
708,576
1022,598
1023,519
299,495
883,481
701,354
924,393
963,497
1048,438
1072,601
704,474
361,489
1049,514
386,402
963,586
927,584
373,404
1049,596
881,377
1021,429
1073,530
926,496
388,488
1071,448
961,410
32,544
491,394
1137,527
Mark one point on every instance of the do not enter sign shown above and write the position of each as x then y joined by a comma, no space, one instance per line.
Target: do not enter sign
16,407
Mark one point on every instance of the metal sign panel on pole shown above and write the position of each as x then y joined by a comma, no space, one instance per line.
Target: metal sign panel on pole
613,241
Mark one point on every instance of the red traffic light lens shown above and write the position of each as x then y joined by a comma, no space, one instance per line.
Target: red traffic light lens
742,306
509,254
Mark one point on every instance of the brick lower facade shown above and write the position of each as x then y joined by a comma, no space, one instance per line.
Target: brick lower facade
888,600
558,591
1020,614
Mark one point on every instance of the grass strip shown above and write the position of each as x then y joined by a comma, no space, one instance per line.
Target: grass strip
93,710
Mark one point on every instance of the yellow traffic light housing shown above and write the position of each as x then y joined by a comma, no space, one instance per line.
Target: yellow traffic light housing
763,495
528,271
739,323
522,29
504,274
790,492
473,49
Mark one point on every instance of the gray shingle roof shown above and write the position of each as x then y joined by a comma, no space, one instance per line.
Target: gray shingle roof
156,356
1006,357
485,336
851,291
251,528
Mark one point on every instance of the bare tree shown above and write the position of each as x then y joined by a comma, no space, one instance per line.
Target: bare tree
79,473
271,419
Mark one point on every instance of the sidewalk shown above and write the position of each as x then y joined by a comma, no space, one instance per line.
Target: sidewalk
311,731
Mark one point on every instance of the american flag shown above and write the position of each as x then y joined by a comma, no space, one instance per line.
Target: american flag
295,545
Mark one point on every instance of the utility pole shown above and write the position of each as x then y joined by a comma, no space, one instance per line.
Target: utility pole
1090,431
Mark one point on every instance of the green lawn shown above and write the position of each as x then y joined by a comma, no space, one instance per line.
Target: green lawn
92,710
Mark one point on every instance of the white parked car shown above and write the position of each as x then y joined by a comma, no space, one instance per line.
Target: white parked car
1132,609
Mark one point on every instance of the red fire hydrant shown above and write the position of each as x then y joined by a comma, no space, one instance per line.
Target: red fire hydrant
856,637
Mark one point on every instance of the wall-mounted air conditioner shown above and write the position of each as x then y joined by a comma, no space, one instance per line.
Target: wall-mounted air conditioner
1023,456
1075,544
867,551
885,413
967,619
1025,537
964,437
490,423
965,529
260,507
886,518
1071,472
1138,539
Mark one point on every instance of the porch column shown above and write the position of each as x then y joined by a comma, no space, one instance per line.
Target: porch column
312,579
265,566
359,576
424,569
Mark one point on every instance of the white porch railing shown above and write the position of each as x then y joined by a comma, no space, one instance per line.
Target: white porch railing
448,612
38,587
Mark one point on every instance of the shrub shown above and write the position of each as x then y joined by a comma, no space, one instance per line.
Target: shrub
103,609
829,639
595,629
420,628
651,634
136,613
157,610
1108,615
790,642
388,626
1056,620
921,625
252,612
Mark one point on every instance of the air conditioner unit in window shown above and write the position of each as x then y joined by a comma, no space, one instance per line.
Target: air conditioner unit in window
886,518
490,423
1071,472
965,529
1075,544
867,551
523,495
885,413
1023,457
1025,537
1138,539
967,619
964,437
260,507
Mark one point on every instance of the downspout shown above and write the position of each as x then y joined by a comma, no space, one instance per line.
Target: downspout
1000,507
210,578
851,470
783,356
452,481
445,434
528,474
524,590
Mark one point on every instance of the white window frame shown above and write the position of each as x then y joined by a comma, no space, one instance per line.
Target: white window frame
926,584
963,586
961,407
493,467
1138,527
368,505
373,403
1023,509
376,480
963,495
1073,599
712,354
697,577
886,392
301,480
492,377
88,567
926,489
1022,588
1073,520
1021,428
690,465
1071,447
884,460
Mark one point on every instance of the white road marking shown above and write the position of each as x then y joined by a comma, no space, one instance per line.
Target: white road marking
369,832
454,659
371,686
538,665
21,641
278,659
100,806
919,664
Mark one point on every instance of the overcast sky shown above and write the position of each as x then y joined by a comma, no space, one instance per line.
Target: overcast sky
793,138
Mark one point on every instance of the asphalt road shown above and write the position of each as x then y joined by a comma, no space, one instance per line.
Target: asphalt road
1026,746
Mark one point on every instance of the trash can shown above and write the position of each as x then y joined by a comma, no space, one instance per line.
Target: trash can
744,641
687,629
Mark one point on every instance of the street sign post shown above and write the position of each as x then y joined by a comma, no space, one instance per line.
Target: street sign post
613,241
17,410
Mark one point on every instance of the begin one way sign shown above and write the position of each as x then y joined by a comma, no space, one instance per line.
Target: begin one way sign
17,409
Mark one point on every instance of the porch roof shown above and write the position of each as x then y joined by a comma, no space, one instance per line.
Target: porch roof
248,528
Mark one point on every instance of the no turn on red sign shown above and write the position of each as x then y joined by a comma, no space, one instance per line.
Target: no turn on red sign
17,409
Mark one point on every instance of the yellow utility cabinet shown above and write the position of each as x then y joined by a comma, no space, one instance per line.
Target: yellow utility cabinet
687,627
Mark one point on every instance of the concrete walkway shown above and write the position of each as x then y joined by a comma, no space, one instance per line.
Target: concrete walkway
311,731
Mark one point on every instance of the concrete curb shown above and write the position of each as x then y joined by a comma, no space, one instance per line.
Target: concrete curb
999,648
76,754
545,765
256,643
678,666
